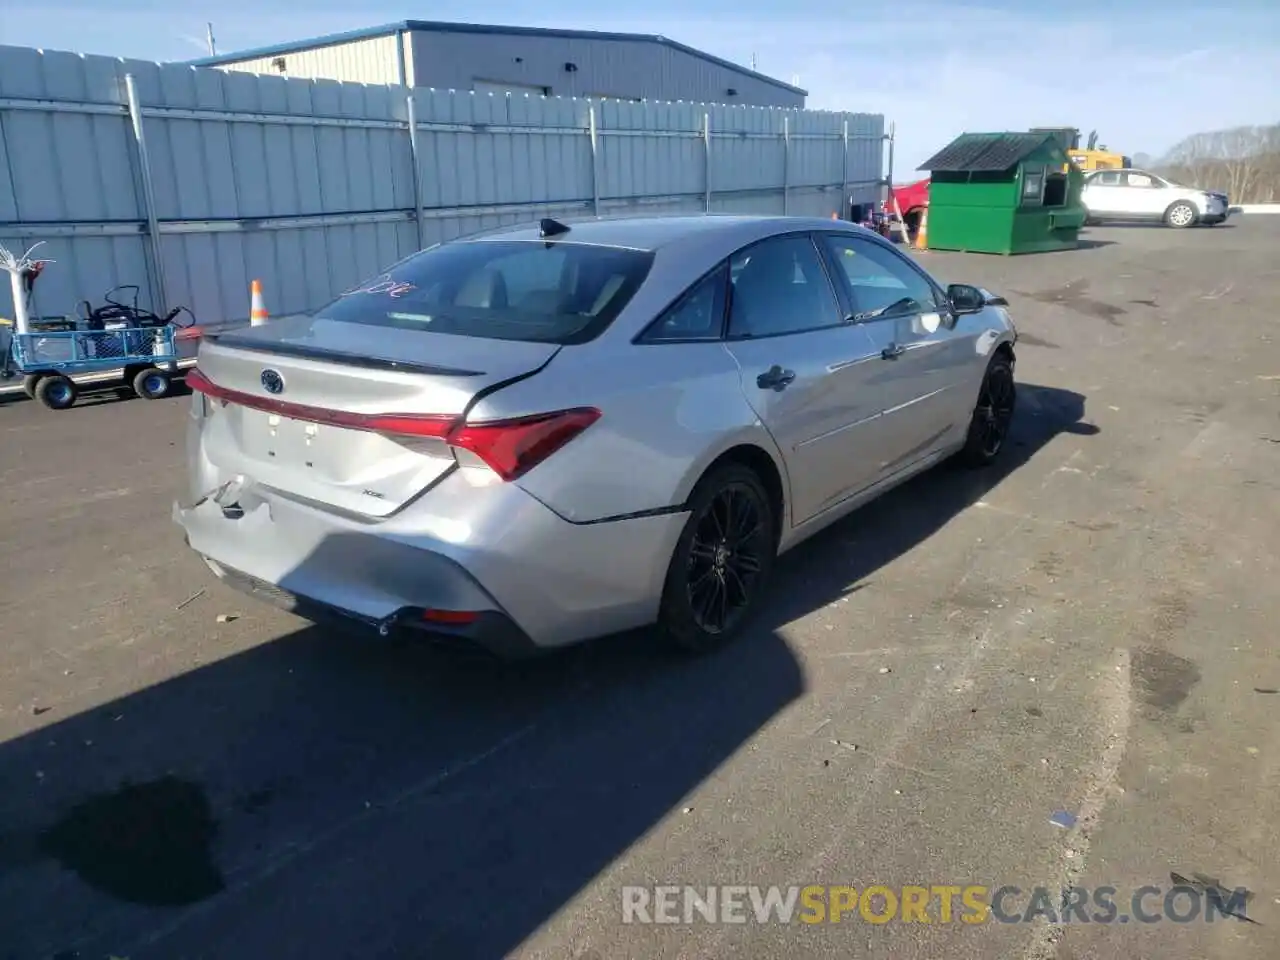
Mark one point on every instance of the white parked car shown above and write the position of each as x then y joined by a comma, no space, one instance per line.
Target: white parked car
1136,195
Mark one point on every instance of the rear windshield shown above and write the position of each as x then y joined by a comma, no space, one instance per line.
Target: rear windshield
559,292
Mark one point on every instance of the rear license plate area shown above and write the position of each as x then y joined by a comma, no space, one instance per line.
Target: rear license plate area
279,439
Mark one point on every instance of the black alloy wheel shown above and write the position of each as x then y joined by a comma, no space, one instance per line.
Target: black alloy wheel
722,561
993,414
725,558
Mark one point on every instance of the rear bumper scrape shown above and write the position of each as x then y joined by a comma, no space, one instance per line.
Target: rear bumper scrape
506,555
492,632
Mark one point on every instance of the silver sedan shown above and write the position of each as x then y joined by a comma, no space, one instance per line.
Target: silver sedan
545,434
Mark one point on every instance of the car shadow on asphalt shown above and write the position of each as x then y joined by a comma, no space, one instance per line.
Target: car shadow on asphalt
316,796
845,555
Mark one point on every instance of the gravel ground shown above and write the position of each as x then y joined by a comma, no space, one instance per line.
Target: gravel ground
1087,628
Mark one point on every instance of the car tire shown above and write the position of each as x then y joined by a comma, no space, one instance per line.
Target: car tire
992,415
1181,215
716,579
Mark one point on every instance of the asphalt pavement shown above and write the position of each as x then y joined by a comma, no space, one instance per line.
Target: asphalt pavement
1086,631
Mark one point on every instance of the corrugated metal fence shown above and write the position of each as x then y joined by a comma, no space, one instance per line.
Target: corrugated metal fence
312,186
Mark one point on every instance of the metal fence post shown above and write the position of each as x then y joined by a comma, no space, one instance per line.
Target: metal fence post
594,133
159,295
888,180
411,111
844,173
786,162
706,151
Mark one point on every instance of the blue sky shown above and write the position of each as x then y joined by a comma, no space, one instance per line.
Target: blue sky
1144,73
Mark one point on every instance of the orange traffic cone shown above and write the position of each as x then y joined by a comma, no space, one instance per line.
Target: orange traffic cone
834,215
257,308
922,232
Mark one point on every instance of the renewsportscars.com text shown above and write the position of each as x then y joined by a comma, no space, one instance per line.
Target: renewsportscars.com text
939,903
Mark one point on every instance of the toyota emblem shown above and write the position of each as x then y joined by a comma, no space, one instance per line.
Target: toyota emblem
272,382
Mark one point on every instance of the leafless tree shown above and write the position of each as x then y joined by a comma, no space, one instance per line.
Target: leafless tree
1243,161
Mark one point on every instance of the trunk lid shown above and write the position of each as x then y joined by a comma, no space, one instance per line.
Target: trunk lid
315,377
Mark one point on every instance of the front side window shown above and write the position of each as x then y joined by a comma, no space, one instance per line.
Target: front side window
559,292
779,286
881,282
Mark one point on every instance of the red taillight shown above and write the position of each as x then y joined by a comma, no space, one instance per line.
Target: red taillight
451,618
511,448
514,447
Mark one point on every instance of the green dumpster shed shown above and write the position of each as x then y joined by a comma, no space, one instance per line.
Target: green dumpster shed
1004,193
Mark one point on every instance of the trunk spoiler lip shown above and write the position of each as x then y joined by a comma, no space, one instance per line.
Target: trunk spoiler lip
338,356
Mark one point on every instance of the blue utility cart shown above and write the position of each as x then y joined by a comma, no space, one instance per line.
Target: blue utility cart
48,359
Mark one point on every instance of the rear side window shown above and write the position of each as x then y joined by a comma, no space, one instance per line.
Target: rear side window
558,292
697,315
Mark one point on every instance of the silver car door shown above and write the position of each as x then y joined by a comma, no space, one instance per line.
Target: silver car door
804,370
1103,193
1147,196
922,359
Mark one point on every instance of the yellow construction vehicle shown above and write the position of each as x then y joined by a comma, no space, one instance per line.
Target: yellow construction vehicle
1091,157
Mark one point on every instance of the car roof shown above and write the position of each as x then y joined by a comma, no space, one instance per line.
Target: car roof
654,233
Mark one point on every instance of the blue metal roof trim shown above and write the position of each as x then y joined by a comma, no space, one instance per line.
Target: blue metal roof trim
440,26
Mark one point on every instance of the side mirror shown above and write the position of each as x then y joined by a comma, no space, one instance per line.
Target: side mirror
965,298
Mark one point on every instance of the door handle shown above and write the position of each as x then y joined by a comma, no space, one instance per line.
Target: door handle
893,350
775,378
